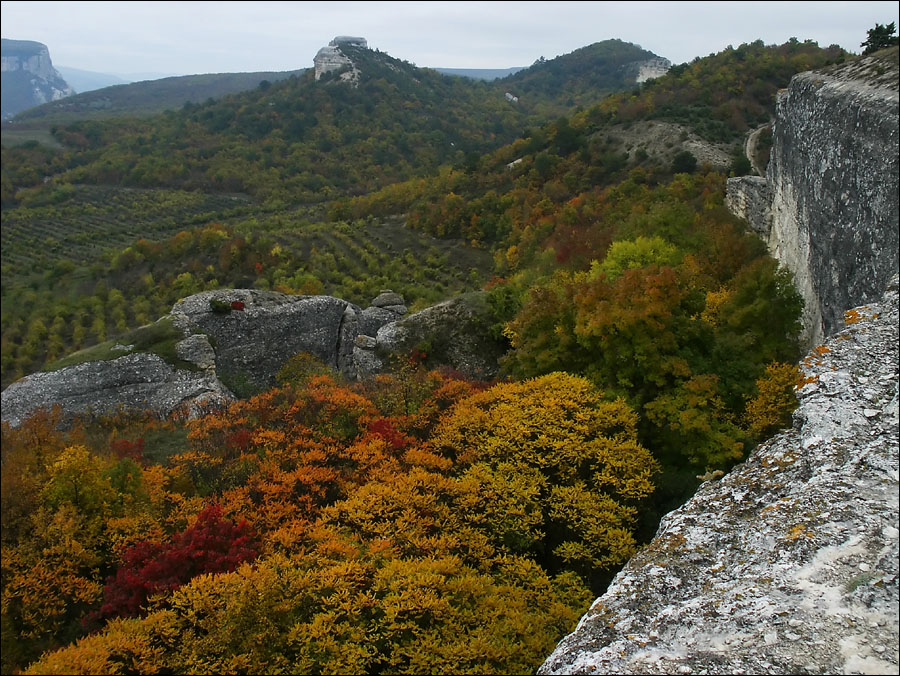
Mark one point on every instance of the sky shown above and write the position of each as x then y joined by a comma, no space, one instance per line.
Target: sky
185,38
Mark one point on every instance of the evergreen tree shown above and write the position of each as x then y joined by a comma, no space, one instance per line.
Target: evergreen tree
880,37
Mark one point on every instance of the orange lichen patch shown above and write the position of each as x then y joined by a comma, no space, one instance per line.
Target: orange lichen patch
812,359
797,532
802,381
854,316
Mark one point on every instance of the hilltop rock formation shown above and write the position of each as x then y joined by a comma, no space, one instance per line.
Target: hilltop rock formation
29,78
828,207
331,58
787,565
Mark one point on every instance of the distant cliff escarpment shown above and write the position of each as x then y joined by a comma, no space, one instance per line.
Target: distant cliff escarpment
828,206
28,77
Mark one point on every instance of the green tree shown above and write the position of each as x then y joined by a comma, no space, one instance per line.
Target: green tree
880,37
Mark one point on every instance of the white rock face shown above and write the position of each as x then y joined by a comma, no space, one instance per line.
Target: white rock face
652,69
29,78
789,564
331,58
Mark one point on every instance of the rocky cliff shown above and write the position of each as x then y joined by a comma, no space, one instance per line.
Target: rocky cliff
652,69
331,58
29,78
787,565
828,207
234,341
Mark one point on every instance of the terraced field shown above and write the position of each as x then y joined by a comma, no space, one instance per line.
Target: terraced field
80,223
75,272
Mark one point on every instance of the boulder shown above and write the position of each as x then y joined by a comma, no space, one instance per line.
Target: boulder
388,298
253,342
373,318
134,382
197,350
455,333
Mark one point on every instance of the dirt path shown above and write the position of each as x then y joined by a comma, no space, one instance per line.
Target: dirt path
750,149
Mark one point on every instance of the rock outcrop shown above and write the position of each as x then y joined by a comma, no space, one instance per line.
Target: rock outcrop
331,58
134,382
828,208
237,340
787,565
255,332
29,78
455,333
652,69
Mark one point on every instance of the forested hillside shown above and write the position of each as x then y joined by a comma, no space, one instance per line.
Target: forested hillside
420,521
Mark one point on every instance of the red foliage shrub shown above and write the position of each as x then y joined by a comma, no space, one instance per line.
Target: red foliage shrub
385,429
124,448
211,545
239,440
237,305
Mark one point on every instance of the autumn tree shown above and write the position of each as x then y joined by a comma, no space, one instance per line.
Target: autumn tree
211,545
771,409
574,453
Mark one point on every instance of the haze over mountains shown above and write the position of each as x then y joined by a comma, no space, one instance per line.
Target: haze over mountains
589,72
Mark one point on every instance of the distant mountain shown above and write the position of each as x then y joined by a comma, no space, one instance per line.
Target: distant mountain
151,96
28,77
87,81
480,73
358,120
147,75
586,75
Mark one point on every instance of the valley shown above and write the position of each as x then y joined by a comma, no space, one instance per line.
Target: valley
632,336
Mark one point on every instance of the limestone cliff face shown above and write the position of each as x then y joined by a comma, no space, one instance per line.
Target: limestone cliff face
29,78
787,565
652,69
828,208
331,58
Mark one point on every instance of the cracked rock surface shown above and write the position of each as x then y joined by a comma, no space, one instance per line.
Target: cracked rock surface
134,382
789,563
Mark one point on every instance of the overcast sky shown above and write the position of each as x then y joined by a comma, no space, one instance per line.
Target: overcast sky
183,38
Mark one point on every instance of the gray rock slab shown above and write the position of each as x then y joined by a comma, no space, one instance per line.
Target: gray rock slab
135,382
271,328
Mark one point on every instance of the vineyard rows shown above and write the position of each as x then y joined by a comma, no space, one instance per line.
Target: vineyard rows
68,285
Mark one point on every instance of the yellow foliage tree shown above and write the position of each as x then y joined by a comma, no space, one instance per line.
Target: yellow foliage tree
771,409
577,451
